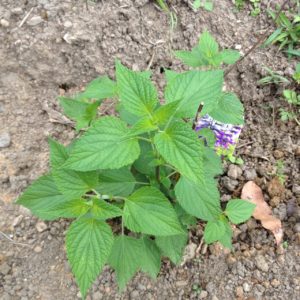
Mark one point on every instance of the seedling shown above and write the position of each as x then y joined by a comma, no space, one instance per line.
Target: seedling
135,183
254,6
273,78
296,75
173,17
293,111
287,34
206,4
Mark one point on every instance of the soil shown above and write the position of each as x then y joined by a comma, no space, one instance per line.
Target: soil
59,48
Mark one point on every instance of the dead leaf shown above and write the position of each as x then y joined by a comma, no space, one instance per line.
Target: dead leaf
262,212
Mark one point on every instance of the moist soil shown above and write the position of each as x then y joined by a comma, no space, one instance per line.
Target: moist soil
63,45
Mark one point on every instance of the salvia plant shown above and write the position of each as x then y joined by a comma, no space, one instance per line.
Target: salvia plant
135,183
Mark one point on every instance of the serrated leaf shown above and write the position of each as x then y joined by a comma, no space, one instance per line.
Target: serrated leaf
98,89
214,231
103,210
208,45
172,246
88,243
105,145
42,197
208,137
185,218
81,112
166,113
229,56
192,88
227,109
179,146
200,199
192,58
151,259
170,75
143,163
73,209
58,153
212,163
118,182
124,258
137,94
239,211
142,126
148,211
74,183
226,239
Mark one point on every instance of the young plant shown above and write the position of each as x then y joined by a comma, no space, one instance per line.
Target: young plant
296,75
293,99
206,4
287,35
254,6
207,54
273,78
135,183
173,17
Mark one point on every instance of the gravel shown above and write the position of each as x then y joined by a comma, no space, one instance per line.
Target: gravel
261,263
5,140
234,171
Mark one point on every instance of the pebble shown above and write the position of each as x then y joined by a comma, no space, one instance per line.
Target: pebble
68,24
297,151
35,20
250,174
17,220
97,296
234,171
4,23
17,11
296,189
238,47
4,140
297,228
38,249
41,226
134,295
4,268
275,201
275,282
239,292
278,154
203,294
261,263
246,287
229,184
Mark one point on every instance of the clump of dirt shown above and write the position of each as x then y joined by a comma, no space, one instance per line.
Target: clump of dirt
59,48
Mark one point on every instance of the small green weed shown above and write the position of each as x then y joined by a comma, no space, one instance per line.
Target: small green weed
206,4
254,6
293,111
273,78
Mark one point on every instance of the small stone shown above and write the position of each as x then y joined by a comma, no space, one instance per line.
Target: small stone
296,189
238,47
17,220
41,226
234,171
229,184
181,283
231,260
4,140
250,174
246,287
203,294
189,252
4,268
239,292
134,294
278,154
97,296
17,11
38,249
68,24
297,228
275,187
214,298
261,263
4,23
35,20
275,282
297,151
275,201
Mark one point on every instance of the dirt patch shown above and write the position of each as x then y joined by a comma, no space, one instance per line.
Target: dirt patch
60,47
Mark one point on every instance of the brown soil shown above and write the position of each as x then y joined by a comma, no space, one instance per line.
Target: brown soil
71,45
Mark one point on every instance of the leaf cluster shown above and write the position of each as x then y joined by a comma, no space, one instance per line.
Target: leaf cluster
134,184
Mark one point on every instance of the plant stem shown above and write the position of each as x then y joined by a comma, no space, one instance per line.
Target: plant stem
144,139
157,173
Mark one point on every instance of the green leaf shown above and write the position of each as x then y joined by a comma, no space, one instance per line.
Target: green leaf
239,211
148,211
208,137
229,56
88,243
170,75
74,183
227,109
179,146
192,58
172,246
193,87
81,112
293,52
43,198
166,113
201,199
226,239
214,231
124,258
151,259
142,126
98,89
137,94
212,163
143,163
208,45
118,182
186,219
272,37
126,116
103,210
58,154
105,145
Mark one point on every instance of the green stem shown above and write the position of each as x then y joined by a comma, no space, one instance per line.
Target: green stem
144,139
